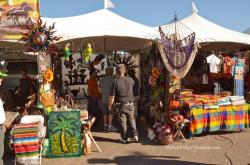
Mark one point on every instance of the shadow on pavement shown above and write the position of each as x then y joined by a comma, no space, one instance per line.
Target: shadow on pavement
103,139
142,159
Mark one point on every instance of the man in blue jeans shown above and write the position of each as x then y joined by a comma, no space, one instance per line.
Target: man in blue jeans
2,120
122,95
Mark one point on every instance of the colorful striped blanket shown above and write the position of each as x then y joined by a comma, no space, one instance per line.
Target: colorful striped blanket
224,117
26,135
26,143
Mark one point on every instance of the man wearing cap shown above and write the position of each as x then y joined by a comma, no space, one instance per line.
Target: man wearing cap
122,95
2,120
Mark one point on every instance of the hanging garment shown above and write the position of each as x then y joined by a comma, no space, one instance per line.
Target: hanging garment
228,63
220,65
213,63
239,80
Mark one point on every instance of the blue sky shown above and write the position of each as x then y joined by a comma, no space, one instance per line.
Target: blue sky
233,14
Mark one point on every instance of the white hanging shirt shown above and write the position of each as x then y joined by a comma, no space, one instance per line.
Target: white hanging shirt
2,114
213,63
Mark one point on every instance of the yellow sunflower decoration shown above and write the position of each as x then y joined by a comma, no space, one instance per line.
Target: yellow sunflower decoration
156,72
48,75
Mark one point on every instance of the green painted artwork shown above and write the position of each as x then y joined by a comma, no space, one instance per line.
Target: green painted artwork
65,134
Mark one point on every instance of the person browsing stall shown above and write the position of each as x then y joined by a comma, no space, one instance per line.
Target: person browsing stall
122,95
105,85
2,120
94,94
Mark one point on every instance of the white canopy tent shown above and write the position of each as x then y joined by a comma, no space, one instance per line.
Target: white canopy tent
212,36
107,30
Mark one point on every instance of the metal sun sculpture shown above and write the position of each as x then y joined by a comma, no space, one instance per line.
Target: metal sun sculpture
127,61
39,37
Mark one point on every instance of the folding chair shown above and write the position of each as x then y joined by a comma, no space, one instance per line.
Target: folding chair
27,139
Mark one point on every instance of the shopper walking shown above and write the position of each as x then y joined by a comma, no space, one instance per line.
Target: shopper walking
122,95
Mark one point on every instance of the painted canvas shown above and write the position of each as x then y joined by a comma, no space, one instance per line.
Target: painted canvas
65,134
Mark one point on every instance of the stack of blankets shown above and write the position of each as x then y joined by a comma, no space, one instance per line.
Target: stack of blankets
209,101
224,101
26,143
237,100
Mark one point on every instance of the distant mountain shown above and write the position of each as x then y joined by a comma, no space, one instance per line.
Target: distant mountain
247,31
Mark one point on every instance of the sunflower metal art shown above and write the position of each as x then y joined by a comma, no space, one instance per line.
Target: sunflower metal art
39,37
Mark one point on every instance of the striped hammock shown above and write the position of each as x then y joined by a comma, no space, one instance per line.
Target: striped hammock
177,53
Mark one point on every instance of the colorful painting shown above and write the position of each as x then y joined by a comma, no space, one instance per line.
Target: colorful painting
64,134
15,15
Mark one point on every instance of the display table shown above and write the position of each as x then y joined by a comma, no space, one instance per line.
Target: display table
222,118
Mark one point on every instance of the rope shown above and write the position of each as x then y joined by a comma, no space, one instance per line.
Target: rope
232,144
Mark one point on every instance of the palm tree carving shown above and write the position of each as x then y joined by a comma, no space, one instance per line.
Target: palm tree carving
65,126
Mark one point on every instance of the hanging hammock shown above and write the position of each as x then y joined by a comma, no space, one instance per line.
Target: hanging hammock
177,48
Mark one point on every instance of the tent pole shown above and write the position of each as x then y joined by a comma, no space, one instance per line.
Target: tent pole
105,44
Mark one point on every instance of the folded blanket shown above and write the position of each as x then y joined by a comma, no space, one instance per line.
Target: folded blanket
224,101
25,135
239,102
193,103
211,106
235,98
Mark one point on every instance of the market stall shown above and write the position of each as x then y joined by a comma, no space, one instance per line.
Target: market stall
212,92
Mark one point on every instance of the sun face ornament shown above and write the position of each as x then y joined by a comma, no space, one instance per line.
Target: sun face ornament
38,37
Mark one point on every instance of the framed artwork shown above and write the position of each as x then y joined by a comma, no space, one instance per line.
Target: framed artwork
65,134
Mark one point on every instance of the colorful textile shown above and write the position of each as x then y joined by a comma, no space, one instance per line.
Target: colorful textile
235,98
225,117
178,58
26,143
228,63
211,106
26,135
29,151
238,102
224,101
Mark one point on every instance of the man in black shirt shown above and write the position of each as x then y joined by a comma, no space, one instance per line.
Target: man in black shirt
122,95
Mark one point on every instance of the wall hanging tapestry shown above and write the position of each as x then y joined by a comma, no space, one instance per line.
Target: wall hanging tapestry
64,134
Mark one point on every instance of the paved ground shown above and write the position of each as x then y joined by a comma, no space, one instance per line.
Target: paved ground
209,149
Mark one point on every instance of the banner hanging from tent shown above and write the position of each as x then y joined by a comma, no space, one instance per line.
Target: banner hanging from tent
15,15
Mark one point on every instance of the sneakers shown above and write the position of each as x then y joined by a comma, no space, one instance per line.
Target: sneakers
133,139
123,141
105,128
111,129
